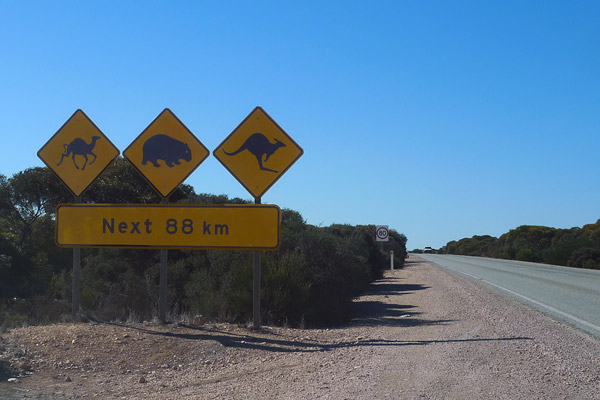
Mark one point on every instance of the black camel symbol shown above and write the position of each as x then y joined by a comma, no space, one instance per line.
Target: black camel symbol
79,147
259,146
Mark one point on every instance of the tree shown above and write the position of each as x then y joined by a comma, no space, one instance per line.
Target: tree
121,183
564,243
592,232
481,246
28,196
586,257
536,238
28,252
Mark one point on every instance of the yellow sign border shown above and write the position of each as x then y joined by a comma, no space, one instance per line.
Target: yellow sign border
73,192
257,195
113,227
146,178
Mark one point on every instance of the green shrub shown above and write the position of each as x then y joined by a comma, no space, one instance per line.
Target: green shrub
591,264
38,310
285,288
527,254
220,285
587,257
311,279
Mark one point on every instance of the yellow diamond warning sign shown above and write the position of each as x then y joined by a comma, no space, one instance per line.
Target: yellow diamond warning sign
166,153
78,152
258,152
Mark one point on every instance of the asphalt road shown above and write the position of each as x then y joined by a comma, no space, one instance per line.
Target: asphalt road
570,295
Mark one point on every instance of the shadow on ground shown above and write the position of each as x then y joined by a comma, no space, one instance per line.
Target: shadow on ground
367,313
6,371
9,390
381,312
268,340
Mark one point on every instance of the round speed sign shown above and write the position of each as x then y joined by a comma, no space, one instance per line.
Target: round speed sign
382,233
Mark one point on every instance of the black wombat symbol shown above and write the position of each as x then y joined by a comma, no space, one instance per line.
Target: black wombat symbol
259,146
78,147
163,147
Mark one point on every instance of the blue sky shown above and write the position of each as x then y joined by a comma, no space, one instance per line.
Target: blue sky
440,119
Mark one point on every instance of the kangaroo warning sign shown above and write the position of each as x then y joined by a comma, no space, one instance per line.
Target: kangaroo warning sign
166,153
78,152
258,152
239,227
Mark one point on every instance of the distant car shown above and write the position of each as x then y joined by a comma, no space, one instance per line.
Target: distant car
427,249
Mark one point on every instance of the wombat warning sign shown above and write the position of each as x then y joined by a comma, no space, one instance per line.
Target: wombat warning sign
163,147
166,153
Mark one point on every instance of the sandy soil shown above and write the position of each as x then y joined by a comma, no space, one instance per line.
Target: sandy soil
420,333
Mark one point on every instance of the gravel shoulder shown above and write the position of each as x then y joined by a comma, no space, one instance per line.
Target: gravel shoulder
420,333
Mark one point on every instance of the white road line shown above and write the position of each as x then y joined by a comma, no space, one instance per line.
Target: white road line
550,308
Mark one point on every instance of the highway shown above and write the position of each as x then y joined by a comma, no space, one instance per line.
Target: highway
569,295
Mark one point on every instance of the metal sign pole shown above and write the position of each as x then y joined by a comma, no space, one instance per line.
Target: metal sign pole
162,294
76,276
392,260
256,284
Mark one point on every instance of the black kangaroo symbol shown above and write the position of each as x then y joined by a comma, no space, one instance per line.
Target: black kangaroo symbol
79,147
259,145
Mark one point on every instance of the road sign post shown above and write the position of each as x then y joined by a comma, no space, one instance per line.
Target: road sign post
162,290
76,278
165,154
256,277
257,153
77,153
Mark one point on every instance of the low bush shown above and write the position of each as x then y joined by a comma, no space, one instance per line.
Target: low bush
587,257
309,281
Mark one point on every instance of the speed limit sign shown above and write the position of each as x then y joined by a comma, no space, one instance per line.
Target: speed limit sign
382,234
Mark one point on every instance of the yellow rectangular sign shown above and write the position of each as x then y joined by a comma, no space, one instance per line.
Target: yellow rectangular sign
235,227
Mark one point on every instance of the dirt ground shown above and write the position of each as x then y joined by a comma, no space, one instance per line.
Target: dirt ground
420,333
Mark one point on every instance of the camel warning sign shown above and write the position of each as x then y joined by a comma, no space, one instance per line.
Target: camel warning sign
258,152
166,153
78,152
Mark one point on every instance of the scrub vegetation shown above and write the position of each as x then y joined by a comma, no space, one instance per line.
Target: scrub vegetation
309,281
574,247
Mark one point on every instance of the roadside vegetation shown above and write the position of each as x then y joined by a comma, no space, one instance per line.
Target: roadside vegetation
310,281
574,247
